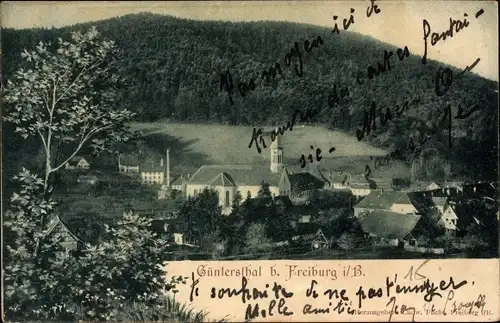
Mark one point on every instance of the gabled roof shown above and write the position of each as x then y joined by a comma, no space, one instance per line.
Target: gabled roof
55,222
152,168
381,183
383,200
439,201
337,177
222,179
319,175
129,160
387,224
178,181
358,181
240,175
305,181
76,159
87,178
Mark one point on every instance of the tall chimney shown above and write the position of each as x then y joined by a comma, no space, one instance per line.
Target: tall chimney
168,167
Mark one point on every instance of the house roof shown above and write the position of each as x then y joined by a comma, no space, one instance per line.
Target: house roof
57,221
381,183
87,178
387,224
238,174
152,168
420,185
76,159
337,177
439,201
129,160
383,200
305,181
178,181
358,181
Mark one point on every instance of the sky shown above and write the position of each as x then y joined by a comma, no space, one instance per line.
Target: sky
399,22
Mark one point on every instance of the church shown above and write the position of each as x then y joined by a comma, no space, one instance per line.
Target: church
247,179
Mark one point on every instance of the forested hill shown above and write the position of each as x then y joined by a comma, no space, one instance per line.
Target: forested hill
172,68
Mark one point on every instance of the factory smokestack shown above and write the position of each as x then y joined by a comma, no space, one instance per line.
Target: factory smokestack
168,167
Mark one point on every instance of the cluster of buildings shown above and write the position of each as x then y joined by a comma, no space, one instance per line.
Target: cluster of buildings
387,208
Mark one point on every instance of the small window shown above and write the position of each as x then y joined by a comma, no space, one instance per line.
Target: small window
227,198
195,192
249,194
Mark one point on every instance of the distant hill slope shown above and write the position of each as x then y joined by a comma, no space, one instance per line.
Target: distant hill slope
172,67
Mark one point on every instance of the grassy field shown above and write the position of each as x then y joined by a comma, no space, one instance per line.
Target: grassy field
192,145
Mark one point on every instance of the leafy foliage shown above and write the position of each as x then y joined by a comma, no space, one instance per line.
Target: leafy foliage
264,190
256,237
200,215
59,284
65,95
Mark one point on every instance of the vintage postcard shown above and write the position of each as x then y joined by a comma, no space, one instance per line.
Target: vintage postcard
257,161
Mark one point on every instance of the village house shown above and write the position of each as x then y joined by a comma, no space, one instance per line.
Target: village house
315,240
391,215
57,228
448,218
248,179
153,174
358,185
179,183
77,162
338,180
128,164
87,179
391,201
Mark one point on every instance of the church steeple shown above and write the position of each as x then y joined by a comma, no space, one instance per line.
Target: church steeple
276,155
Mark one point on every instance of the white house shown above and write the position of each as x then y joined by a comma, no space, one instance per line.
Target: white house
77,162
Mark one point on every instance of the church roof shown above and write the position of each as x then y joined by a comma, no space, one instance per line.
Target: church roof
239,175
222,179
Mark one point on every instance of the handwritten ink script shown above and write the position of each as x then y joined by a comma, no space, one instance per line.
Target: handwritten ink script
323,291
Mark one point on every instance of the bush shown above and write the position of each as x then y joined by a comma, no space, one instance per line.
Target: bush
43,281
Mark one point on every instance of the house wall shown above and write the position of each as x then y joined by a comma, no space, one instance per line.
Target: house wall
337,185
403,208
179,238
360,191
129,169
448,220
284,186
254,190
153,177
83,164
194,189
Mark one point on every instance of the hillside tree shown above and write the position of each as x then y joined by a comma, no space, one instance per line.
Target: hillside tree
65,95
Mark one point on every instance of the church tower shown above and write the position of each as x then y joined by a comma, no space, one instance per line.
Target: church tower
276,155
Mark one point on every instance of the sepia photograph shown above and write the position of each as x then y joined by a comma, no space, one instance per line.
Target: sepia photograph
137,134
